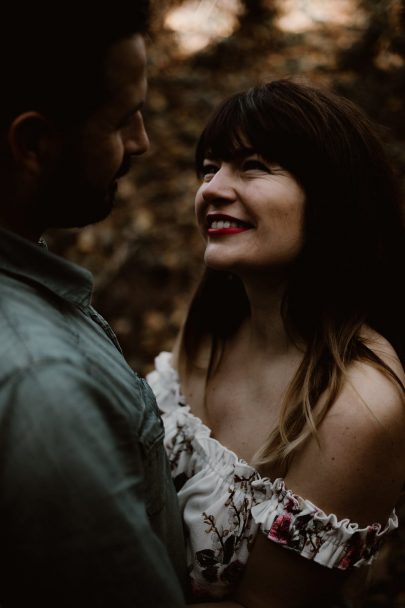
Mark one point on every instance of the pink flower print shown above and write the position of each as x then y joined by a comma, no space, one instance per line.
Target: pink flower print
292,504
371,538
353,552
280,530
347,559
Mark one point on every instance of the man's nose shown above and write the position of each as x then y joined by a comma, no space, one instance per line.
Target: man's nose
137,140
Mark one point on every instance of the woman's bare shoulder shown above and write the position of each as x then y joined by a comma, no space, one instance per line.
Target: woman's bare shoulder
356,466
381,347
380,393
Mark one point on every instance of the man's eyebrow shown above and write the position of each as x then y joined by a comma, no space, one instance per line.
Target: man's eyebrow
133,110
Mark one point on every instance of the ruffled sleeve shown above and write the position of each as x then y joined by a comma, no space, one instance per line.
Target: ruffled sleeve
297,524
182,429
165,384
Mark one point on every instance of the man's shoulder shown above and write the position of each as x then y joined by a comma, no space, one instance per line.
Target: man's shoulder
56,392
30,325
23,295
50,349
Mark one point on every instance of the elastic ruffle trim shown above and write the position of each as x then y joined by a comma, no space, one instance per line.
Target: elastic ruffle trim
297,524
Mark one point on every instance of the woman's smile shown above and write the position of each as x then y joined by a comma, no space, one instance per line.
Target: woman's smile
254,198
221,224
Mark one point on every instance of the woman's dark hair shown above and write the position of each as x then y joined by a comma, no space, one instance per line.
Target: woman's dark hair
52,54
349,271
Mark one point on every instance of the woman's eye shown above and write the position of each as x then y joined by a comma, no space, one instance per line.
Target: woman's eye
208,171
255,165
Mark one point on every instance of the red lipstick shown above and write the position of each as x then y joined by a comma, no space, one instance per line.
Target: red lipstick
220,224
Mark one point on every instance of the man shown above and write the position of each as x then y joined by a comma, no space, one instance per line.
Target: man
88,515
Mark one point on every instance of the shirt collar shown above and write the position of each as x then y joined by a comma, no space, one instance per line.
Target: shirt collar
34,263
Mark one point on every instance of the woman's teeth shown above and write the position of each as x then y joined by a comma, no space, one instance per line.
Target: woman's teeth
217,225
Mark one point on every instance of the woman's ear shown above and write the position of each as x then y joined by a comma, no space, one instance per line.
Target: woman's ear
33,141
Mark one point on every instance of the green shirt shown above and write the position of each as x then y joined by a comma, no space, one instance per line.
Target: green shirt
88,515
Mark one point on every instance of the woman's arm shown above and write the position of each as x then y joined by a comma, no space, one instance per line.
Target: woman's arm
276,577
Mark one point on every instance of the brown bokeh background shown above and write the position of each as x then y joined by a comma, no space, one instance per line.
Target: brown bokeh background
146,257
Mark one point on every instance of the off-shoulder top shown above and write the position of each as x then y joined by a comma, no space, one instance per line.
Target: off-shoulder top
225,502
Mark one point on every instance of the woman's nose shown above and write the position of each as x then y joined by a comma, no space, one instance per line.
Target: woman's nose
220,189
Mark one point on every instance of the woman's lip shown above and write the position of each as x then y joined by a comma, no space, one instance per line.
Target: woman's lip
231,230
221,216
218,217
227,224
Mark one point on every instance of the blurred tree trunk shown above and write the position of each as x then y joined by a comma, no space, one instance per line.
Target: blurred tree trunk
257,10
376,67
361,55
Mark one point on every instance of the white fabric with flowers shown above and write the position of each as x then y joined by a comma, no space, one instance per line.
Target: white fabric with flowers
225,502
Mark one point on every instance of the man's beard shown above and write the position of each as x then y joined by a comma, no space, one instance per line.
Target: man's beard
69,200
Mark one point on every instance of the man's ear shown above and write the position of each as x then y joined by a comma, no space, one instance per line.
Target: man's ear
33,141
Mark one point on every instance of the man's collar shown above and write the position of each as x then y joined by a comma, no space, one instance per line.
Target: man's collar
34,263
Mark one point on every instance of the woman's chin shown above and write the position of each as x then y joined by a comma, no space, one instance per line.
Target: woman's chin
217,264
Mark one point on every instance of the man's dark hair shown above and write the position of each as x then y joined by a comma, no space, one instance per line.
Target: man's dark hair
52,55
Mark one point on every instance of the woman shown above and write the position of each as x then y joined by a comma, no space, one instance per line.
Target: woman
283,401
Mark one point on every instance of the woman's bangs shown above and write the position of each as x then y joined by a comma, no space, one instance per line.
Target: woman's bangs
224,136
237,126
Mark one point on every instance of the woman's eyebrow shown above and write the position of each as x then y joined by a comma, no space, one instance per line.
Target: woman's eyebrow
242,153
238,154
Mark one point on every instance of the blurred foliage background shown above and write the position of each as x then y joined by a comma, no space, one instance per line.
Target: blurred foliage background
146,257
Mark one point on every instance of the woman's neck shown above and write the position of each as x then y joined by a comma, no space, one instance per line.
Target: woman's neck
265,328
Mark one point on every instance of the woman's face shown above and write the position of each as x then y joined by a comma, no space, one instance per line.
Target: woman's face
250,213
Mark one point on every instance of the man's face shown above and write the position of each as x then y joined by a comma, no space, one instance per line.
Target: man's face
81,185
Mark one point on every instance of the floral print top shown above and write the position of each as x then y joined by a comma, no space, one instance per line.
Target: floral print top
225,502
